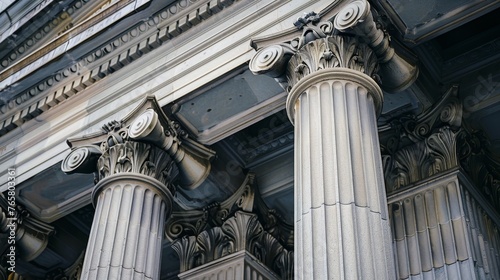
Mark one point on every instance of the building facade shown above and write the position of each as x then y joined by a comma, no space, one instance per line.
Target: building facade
223,139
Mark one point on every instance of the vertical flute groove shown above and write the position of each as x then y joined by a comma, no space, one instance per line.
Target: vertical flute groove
127,232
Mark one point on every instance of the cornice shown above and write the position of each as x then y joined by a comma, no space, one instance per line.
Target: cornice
25,19
67,41
62,18
210,54
175,19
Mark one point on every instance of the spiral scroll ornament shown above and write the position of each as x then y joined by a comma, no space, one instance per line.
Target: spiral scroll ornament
452,114
81,160
75,159
143,125
271,61
351,15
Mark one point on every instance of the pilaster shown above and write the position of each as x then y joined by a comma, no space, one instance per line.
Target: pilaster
137,164
442,219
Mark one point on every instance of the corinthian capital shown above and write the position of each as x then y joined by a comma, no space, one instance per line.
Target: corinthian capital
354,19
145,142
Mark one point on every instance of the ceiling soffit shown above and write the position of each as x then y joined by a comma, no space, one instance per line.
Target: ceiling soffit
420,21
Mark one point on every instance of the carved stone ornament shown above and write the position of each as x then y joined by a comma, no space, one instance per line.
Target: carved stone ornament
145,142
32,235
483,169
409,129
417,147
354,19
242,222
331,52
435,154
247,199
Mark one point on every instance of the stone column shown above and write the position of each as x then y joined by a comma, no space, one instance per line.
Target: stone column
136,162
131,205
342,229
341,219
341,222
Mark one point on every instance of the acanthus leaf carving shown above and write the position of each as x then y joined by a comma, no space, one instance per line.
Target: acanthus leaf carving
413,163
186,248
285,264
331,52
145,142
136,157
407,130
268,249
242,222
212,244
241,230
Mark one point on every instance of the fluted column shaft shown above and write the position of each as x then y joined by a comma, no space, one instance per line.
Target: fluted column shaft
126,237
341,221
